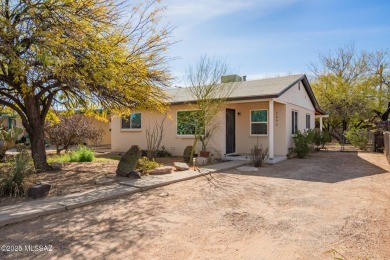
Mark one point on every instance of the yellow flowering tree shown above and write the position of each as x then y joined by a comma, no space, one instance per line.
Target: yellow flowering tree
83,54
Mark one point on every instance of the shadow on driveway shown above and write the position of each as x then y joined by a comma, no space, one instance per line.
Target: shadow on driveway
325,166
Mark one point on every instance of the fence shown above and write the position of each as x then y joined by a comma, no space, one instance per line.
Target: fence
386,136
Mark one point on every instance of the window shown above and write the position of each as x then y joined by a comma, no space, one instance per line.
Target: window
294,122
259,122
132,122
307,121
189,122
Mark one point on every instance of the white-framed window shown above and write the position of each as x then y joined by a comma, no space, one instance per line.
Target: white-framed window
259,122
294,122
134,121
307,121
189,122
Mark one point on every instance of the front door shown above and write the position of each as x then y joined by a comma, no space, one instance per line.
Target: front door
230,130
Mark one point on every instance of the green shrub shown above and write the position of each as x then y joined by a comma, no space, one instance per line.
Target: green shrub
82,154
303,142
16,181
358,138
145,165
162,153
320,139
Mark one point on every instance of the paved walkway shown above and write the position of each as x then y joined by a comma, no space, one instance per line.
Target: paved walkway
29,210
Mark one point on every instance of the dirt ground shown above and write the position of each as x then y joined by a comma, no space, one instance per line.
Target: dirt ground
79,177
296,209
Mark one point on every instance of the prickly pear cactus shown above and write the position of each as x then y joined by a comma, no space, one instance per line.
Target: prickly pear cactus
128,161
187,154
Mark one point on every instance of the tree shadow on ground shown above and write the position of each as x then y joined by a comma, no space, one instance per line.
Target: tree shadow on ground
325,166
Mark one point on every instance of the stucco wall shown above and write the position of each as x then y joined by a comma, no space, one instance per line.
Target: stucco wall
297,99
122,140
105,126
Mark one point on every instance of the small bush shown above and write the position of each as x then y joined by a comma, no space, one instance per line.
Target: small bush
145,165
16,181
320,139
82,154
259,156
303,142
358,138
162,153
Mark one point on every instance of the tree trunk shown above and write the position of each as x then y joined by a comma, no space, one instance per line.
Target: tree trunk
38,148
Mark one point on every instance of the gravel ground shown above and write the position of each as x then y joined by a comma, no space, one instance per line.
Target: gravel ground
297,209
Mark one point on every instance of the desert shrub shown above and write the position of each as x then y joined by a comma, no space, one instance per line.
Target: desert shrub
162,153
82,154
303,142
358,138
16,181
259,156
145,165
320,139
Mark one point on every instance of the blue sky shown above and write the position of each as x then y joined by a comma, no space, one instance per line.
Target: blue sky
263,38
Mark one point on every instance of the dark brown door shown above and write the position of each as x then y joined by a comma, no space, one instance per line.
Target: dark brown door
230,130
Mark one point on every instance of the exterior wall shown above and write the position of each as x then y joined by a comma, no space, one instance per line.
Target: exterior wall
105,126
122,140
244,141
297,99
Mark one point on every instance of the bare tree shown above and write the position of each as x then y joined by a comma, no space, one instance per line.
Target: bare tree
154,137
209,94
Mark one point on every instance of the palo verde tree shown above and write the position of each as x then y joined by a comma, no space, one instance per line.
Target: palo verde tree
350,85
79,54
209,95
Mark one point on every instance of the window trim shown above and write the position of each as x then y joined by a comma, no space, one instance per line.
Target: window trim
130,129
293,130
184,136
250,122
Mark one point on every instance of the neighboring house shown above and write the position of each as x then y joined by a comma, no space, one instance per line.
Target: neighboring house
8,121
265,112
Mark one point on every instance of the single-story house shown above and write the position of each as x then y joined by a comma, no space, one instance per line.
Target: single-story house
265,112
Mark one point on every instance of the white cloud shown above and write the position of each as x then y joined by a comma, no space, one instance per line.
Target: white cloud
187,15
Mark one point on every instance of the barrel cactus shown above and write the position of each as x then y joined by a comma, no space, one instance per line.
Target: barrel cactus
187,154
129,161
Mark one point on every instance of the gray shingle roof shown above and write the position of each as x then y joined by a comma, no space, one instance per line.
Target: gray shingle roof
245,89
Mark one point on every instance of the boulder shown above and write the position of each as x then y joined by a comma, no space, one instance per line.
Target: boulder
180,166
201,161
39,190
56,165
161,170
128,161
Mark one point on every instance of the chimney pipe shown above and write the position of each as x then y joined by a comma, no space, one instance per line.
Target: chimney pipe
243,78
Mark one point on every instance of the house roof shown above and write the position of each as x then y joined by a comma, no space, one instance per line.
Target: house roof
254,89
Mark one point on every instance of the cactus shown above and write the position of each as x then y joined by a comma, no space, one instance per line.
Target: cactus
187,154
128,161
8,139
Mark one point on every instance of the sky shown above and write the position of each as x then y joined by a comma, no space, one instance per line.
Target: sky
266,38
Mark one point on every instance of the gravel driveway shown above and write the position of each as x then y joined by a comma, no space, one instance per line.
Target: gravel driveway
297,209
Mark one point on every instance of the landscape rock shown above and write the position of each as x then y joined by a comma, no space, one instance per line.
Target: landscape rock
161,170
163,194
180,166
128,162
56,165
39,190
201,161
104,181
247,169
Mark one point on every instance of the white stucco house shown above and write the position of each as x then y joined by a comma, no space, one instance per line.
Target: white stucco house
264,112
